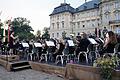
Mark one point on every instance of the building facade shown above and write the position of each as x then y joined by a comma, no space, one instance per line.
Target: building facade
110,14
88,17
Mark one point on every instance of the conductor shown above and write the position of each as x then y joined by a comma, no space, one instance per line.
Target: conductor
11,42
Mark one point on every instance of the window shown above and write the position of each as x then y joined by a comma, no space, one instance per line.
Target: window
107,7
73,16
117,4
78,24
53,25
62,24
85,7
93,25
57,25
107,16
57,34
83,26
63,16
74,25
117,16
95,5
58,17
52,34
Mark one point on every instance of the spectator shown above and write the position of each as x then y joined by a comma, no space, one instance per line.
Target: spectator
104,31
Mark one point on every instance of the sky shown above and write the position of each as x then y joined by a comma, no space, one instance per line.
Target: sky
37,11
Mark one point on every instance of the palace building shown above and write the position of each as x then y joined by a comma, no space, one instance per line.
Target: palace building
88,17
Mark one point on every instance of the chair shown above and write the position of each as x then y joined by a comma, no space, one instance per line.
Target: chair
85,54
44,56
61,58
31,55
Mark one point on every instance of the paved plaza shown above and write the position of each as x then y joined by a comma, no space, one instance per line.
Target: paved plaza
28,74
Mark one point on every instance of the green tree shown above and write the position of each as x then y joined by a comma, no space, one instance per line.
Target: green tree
1,30
38,34
46,34
22,28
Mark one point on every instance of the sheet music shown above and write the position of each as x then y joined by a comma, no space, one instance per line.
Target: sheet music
50,43
92,41
38,44
70,42
101,40
25,45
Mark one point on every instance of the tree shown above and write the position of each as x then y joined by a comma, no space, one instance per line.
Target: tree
38,34
46,34
22,28
1,30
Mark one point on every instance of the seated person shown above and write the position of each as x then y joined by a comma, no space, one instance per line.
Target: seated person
60,47
84,42
110,42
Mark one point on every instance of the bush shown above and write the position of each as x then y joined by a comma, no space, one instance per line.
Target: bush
107,66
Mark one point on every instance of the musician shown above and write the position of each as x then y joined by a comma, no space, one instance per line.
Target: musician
110,42
84,42
60,47
11,42
78,38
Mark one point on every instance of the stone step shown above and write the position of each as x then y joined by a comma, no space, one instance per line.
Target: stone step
21,67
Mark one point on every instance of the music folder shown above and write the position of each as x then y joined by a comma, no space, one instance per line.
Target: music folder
70,42
92,41
50,43
25,44
38,44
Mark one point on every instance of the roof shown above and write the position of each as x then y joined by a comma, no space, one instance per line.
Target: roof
64,7
88,5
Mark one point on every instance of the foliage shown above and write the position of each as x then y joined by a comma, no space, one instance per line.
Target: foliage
107,66
22,28
1,24
38,34
46,34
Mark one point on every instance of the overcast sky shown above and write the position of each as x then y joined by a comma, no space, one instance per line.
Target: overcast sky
37,11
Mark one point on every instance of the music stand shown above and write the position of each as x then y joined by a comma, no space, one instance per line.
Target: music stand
25,45
70,42
50,43
38,44
92,41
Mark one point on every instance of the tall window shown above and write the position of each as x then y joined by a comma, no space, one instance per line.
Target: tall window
74,25
73,16
58,17
107,7
117,5
83,26
78,24
57,25
57,34
53,25
63,24
52,34
117,16
107,16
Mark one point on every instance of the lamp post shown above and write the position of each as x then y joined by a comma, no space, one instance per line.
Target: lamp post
9,23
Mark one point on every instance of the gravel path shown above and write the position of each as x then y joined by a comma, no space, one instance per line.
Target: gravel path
26,75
